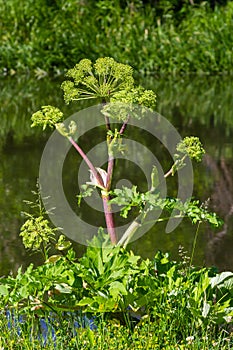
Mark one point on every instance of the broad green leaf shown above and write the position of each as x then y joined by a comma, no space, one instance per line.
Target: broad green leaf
117,288
69,276
105,305
91,336
63,288
63,246
133,260
193,307
214,281
53,259
3,290
206,309
228,284
171,272
85,301
23,291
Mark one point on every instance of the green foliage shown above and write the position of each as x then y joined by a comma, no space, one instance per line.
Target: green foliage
109,281
119,287
129,198
85,191
108,274
190,294
171,36
36,232
107,336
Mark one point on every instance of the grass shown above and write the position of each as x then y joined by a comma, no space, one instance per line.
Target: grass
159,334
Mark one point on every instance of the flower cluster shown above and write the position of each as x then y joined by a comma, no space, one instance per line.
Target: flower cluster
47,116
99,80
134,102
192,147
35,231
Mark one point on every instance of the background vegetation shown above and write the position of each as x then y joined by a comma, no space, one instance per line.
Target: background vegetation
192,104
188,308
152,36
112,299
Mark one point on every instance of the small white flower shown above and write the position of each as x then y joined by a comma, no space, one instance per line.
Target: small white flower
228,319
190,339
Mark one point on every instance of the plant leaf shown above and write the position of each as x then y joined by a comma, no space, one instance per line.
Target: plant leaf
214,281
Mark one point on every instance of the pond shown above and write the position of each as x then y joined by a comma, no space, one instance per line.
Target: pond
196,105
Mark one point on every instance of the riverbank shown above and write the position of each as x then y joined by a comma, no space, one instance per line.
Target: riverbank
167,38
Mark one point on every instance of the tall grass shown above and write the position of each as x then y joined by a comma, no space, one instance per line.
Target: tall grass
40,334
47,36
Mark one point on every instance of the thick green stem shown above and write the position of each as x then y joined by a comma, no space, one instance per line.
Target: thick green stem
129,233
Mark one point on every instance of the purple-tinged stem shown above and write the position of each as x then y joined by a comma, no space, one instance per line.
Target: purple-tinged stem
107,206
124,125
88,162
105,197
109,218
111,162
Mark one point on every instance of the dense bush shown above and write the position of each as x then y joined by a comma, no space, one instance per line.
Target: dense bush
162,36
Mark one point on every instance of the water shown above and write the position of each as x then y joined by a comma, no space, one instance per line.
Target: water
200,106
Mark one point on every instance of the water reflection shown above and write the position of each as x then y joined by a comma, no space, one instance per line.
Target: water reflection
199,106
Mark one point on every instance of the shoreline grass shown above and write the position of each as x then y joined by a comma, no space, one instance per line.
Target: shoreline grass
37,334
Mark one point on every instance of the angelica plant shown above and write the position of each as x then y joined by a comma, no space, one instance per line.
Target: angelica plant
112,84
105,81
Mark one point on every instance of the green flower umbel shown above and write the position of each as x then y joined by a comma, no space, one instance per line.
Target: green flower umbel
36,231
47,116
192,147
98,81
125,103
